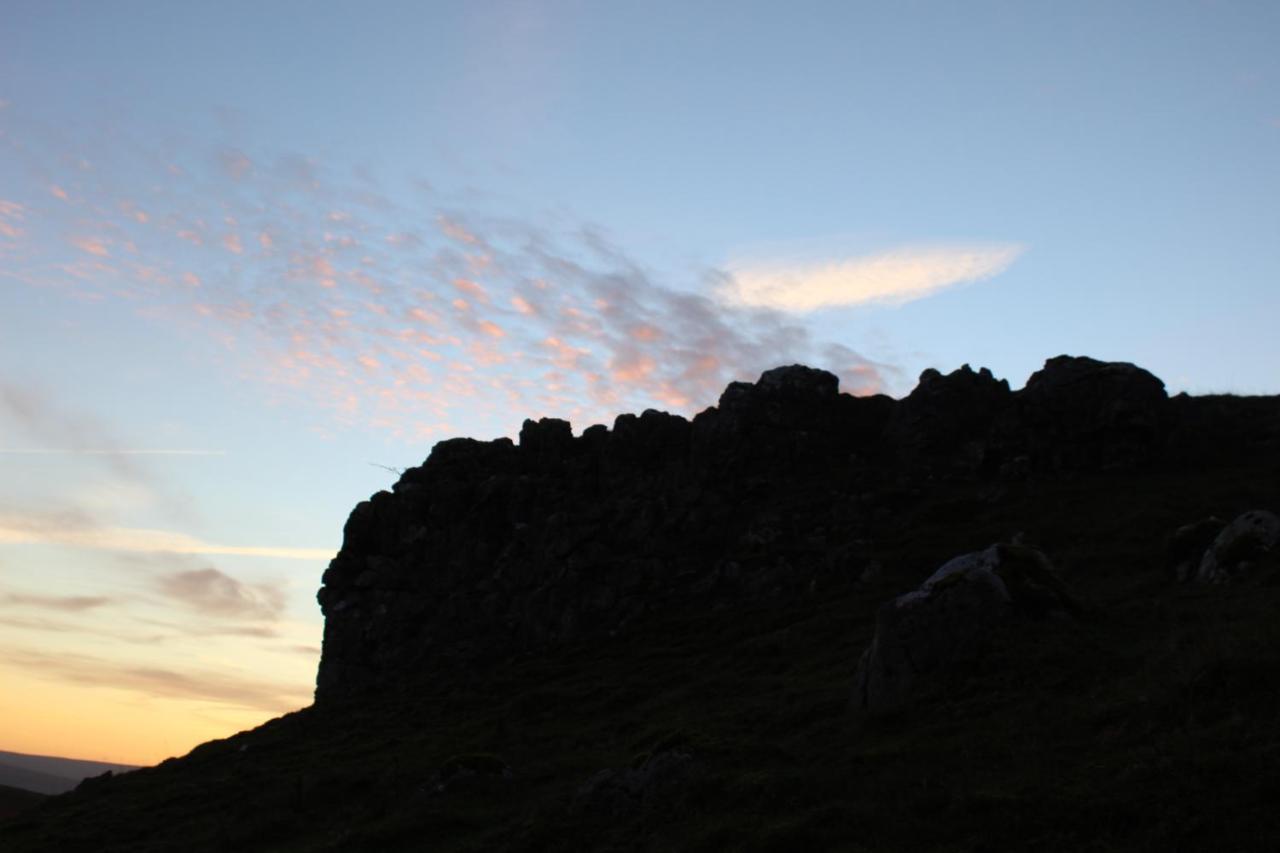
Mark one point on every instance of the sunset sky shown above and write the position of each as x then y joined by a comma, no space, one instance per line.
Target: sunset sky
255,256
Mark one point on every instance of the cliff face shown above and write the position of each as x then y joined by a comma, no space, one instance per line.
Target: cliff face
490,548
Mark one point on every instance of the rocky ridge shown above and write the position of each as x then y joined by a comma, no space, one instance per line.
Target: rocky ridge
490,548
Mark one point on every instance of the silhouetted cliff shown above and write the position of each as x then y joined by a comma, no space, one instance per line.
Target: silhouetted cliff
493,547
970,619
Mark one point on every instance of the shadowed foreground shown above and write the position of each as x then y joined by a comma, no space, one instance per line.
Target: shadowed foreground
722,715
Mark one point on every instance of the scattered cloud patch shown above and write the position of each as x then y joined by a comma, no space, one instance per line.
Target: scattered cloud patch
891,277
406,316
216,593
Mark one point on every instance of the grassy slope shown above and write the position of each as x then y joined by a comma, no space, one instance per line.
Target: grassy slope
1151,728
15,800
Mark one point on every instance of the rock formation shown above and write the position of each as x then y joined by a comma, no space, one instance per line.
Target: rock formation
492,547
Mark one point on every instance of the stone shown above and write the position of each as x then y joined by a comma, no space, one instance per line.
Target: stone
948,620
1249,538
1186,546
655,783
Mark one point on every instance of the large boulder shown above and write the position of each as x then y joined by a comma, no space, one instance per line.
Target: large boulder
1249,539
949,620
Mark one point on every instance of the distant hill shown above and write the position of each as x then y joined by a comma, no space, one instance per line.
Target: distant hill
14,800
46,774
973,619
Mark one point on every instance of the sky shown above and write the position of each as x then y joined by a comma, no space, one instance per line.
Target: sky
255,258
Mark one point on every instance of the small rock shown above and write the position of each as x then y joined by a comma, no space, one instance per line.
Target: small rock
656,782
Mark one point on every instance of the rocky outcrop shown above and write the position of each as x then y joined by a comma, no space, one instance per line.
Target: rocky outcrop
1084,414
1186,546
950,618
491,548
946,422
1251,538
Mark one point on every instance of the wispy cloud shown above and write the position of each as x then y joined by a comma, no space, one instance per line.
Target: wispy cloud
63,603
893,277
88,451
78,530
216,593
216,686
58,430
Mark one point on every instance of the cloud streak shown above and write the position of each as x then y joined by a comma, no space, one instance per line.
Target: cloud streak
892,277
77,530
222,688
62,603
86,451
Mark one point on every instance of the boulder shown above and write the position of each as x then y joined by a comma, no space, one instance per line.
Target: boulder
1251,537
949,619
1186,546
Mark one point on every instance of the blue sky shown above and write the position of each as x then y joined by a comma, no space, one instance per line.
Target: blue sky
299,241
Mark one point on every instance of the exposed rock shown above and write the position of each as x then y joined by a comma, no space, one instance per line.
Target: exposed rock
1187,545
1251,537
655,784
949,619
945,421
470,771
1078,413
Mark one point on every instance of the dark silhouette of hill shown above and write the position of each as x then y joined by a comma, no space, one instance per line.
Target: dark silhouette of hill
14,800
970,619
46,774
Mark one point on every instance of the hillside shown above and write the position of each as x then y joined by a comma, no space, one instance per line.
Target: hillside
649,637
49,775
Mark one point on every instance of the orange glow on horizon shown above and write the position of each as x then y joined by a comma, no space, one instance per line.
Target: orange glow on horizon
43,717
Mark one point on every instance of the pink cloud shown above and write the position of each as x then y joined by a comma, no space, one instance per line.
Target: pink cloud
235,163
391,332
91,245
471,288
456,231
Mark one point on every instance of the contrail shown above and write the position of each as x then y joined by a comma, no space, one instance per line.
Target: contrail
90,452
